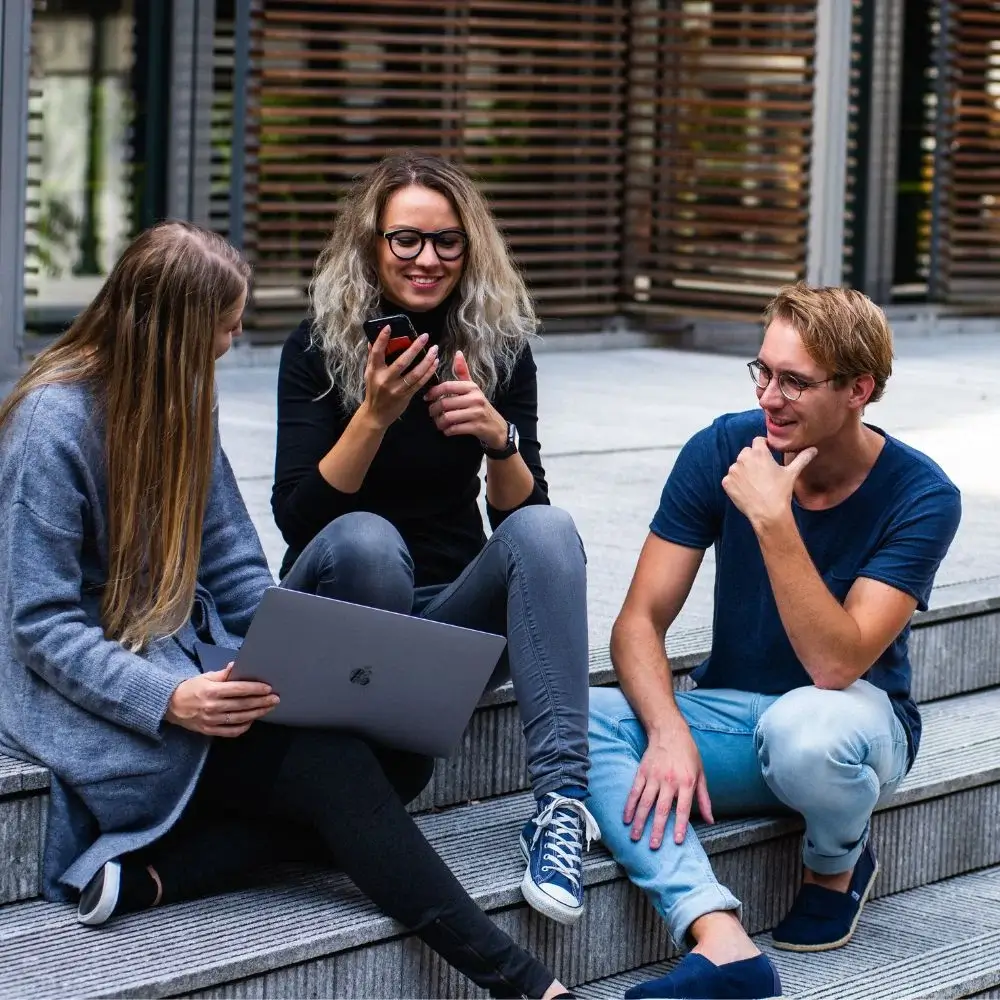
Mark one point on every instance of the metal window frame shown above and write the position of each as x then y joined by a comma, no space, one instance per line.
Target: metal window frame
15,61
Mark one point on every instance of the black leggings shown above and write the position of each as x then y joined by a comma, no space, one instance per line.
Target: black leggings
344,801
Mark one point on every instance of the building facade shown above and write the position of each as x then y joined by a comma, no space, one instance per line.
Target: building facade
654,163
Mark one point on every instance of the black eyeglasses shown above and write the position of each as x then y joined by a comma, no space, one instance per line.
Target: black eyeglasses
408,244
790,386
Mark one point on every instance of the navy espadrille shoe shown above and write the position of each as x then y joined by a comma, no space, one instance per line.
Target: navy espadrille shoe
696,977
822,919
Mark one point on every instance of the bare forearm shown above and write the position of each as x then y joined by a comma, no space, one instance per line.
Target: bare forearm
346,464
509,482
644,673
825,638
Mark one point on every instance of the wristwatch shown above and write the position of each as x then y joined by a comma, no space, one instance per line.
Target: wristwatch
510,448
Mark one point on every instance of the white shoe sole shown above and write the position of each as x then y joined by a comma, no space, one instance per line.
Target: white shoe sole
105,907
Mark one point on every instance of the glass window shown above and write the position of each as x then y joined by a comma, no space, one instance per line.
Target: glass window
81,112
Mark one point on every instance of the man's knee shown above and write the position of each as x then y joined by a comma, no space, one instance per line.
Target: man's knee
806,737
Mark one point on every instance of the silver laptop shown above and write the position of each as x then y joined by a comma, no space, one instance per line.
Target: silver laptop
400,681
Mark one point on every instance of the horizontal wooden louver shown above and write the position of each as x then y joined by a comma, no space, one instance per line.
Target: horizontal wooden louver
857,121
721,100
222,116
529,95
970,255
34,249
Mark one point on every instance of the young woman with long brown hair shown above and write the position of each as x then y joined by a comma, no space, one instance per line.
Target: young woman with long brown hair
125,540
384,467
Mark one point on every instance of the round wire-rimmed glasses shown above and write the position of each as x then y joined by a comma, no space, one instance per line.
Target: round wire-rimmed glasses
408,244
790,386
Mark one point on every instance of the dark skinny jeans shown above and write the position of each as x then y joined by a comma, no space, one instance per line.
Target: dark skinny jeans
282,794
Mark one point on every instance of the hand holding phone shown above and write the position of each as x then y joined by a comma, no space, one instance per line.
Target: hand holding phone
401,334
399,366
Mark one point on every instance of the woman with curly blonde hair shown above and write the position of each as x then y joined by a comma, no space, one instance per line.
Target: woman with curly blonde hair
378,464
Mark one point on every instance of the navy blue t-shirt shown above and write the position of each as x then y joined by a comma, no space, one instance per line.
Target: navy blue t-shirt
896,527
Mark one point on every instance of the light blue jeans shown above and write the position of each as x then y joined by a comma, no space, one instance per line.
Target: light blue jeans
829,755
529,583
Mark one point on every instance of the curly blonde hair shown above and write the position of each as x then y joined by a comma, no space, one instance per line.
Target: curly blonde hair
493,317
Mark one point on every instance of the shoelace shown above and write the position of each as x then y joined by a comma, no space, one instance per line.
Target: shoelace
560,821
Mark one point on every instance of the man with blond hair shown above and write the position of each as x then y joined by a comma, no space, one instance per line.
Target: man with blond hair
827,533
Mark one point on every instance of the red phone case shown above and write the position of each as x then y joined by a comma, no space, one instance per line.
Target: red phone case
397,345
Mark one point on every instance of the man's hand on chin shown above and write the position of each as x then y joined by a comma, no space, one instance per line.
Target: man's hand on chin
760,488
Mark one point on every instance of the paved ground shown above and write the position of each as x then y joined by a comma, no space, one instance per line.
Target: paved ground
612,421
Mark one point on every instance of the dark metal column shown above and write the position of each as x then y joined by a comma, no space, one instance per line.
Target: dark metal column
189,157
828,175
876,161
15,62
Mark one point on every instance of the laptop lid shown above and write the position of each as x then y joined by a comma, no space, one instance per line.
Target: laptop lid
401,681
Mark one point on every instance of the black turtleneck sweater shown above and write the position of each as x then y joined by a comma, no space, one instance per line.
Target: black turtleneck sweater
426,484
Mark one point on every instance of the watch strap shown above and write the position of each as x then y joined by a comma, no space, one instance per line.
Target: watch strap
509,449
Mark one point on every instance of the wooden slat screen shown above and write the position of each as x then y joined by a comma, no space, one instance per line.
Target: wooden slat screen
857,126
34,248
970,227
721,101
222,116
529,95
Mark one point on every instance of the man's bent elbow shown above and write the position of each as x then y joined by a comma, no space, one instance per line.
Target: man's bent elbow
836,675
627,627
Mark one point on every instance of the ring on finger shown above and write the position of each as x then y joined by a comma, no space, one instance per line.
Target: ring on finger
406,380
229,719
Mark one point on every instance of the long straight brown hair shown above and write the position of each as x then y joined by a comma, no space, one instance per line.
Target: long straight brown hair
145,346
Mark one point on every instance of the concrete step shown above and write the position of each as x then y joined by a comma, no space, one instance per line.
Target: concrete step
955,649
307,933
937,941
23,808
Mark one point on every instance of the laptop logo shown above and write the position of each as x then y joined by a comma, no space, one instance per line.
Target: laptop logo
361,675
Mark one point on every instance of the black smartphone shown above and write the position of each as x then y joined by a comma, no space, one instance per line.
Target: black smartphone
401,336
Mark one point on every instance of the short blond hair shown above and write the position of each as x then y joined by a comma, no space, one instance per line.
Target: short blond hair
842,330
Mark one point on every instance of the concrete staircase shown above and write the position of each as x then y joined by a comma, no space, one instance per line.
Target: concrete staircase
934,931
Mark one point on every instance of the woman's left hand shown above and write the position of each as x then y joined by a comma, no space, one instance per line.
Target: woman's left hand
459,407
